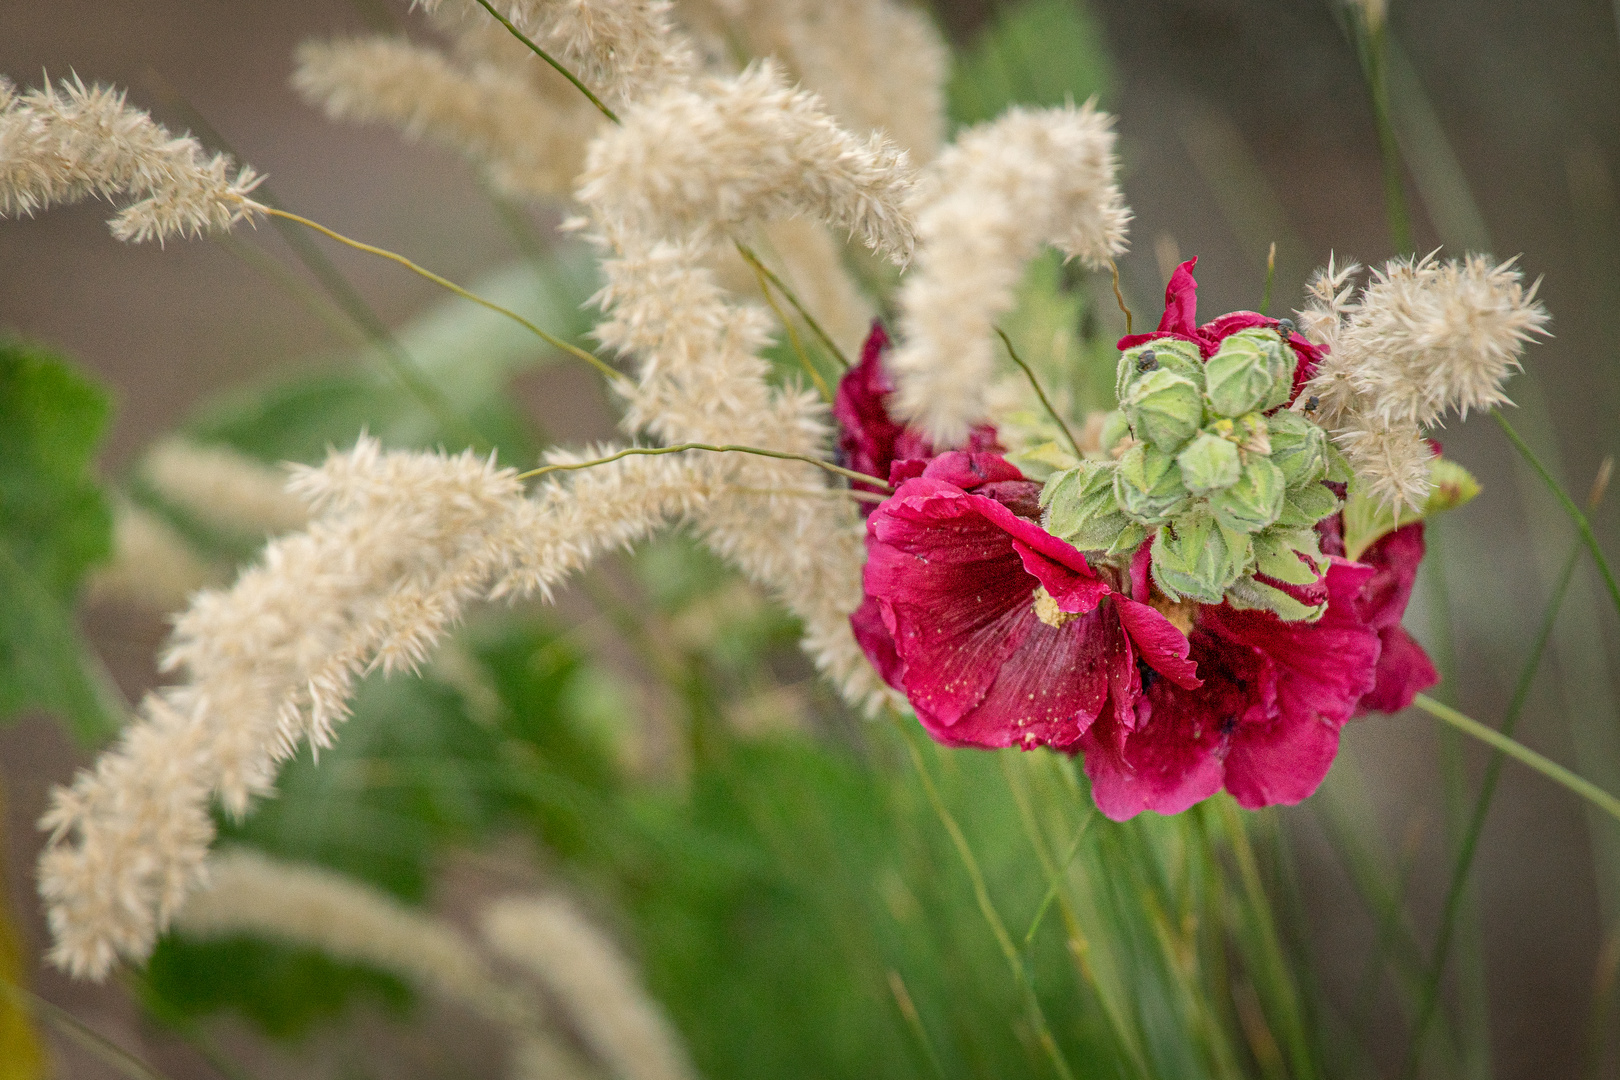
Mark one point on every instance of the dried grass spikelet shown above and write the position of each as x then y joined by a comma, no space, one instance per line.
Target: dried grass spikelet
984,209
703,159
592,981
877,64
624,50
1422,339
152,565
400,544
222,488
67,143
251,894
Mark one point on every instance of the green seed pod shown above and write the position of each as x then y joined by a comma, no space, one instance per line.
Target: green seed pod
1080,506
1197,558
1248,594
1252,371
1299,448
1164,409
1115,429
1160,354
1147,485
1255,500
1305,505
1209,463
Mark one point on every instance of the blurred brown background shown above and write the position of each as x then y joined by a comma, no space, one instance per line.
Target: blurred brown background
1242,121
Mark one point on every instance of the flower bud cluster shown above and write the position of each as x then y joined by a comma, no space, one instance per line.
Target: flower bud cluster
1202,458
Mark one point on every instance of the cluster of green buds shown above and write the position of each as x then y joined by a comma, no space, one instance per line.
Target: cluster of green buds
1193,460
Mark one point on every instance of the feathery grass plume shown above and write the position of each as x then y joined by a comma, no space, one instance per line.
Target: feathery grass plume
152,565
592,981
877,64
401,542
623,50
250,894
60,145
701,160
702,379
983,210
222,488
528,144
1423,338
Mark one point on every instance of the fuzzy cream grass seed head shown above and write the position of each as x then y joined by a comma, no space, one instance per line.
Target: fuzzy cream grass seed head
994,198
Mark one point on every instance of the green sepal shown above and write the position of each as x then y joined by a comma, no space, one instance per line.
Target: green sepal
1115,429
1250,372
1365,521
1165,409
1338,466
1147,485
1197,558
1255,501
1160,354
1304,506
1277,554
1298,447
1248,594
1041,462
1080,506
1209,463
1129,539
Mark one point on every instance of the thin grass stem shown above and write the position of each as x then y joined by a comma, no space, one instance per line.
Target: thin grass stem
1581,523
1119,297
1036,384
1370,37
654,451
547,57
793,335
908,1012
753,259
1271,273
76,1030
445,283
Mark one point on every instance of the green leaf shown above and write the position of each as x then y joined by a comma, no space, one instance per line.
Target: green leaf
54,524
1039,52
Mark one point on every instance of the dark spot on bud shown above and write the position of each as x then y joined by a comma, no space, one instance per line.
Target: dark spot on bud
1285,327
1147,361
1312,402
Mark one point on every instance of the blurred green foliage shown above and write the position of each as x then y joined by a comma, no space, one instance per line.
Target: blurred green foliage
54,524
1039,52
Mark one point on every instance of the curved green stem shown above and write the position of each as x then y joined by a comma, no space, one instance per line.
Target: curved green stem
1034,382
654,451
547,57
759,267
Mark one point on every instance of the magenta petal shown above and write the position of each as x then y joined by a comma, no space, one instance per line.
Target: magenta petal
876,640
1404,671
1217,330
866,433
1181,301
967,470
1281,762
1168,771
1394,559
1074,592
1163,646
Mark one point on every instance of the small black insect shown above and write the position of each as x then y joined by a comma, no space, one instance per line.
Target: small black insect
1149,676
1147,361
1286,328
1312,402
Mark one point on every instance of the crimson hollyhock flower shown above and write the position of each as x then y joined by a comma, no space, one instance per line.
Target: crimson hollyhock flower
1180,320
999,633
1404,669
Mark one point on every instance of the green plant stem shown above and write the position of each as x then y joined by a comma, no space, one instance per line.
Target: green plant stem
1482,804
1271,273
445,283
908,1012
987,908
1370,40
547,57
654,451
793,336
1581,523
1034,382
753,259
1523,754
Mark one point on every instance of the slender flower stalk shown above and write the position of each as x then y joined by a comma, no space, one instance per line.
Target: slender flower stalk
985,208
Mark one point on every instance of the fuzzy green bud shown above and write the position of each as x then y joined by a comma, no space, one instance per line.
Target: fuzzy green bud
1299,448
1250,372
1080,506
1165,409
1255,500
1160,354
1289,555
1305,505
1147,485
1198,558
1209,463
1115,429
